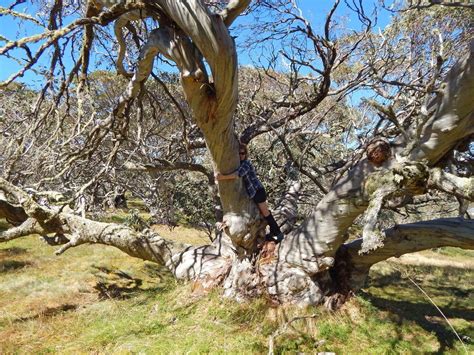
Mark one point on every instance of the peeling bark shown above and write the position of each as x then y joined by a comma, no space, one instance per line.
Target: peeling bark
299,269
452,184
409,238
325,230
453,118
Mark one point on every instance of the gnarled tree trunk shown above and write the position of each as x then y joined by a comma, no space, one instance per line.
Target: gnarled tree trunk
298,269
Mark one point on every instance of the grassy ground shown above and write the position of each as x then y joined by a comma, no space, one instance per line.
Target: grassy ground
96,299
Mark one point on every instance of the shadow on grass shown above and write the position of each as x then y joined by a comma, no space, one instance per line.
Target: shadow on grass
423,314
11,265
49,312
4,225
117,284
444,282
396,278
158,272
12,251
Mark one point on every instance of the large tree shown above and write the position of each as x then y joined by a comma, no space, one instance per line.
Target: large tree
79,130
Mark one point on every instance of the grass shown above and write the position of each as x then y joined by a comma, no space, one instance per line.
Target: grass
96,299
183,234
455,252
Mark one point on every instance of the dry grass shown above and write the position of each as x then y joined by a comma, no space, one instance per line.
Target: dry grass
182,234
95,299
433,258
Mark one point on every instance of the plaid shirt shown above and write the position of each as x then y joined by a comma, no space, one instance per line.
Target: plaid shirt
247,172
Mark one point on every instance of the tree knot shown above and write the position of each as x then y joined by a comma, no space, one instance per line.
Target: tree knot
379,151
411,176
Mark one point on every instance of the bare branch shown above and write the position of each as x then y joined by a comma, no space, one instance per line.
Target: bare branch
410,238
452,184
372,239
454,113
30,226
23,16
233,10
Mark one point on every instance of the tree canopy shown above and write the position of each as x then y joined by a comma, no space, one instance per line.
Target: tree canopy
354,128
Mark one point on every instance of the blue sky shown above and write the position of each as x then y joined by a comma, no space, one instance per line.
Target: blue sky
314,10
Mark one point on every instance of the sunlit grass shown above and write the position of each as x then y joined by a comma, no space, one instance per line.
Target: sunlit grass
454,252
95,299
183,234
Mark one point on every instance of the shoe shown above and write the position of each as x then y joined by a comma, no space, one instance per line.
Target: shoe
278,238
269,238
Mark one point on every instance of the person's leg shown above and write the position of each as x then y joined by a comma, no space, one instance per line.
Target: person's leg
263,207
260,199
274,228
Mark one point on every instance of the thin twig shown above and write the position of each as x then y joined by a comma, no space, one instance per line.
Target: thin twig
434,304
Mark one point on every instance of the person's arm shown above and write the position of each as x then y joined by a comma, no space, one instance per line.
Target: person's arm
220,176
242,170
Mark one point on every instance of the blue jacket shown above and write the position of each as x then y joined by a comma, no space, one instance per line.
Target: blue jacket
248,174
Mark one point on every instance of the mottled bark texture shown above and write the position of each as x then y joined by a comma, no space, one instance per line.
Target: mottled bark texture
311,249
304,268
407,238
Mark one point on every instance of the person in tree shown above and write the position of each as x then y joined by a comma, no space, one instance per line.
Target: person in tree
255,190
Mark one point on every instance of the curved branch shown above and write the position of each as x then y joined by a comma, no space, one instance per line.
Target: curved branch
144,245
119,24
410,238
233,10
211,37
184,261
166,165
29,226
452,184
178,48
454,114
78,230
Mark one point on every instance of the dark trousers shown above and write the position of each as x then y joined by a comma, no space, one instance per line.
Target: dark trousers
261,196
